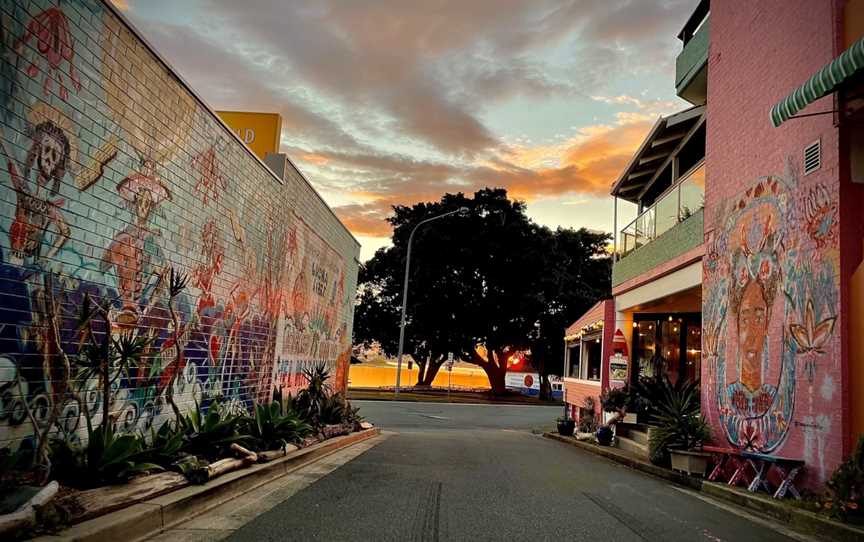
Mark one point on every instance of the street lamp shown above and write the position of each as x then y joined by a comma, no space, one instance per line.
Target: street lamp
462,211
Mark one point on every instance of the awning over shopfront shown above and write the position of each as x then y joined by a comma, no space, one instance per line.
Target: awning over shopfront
824,82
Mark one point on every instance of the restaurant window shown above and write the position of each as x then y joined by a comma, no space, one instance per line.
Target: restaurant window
574,361
592,357
694,351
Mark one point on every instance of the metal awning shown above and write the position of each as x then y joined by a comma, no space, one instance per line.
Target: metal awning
653,155
824,82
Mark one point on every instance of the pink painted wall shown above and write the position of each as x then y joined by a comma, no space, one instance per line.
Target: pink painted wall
773,351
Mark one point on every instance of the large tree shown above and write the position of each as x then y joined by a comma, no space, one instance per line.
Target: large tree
480,283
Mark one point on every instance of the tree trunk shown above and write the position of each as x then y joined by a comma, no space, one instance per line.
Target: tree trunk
432,371
421,371
496,371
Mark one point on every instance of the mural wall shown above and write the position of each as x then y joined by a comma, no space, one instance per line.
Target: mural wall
772,364
113,175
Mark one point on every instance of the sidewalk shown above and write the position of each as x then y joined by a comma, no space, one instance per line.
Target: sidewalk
793,517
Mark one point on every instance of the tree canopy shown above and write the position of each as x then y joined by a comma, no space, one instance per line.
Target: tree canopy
490,277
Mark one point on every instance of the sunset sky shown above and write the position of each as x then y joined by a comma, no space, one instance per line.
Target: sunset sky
394,102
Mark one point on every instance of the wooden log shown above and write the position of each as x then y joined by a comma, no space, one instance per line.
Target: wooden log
365,425
244,452
270,455
88,504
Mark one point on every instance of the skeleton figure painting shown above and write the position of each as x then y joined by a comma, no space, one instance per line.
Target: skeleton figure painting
38,210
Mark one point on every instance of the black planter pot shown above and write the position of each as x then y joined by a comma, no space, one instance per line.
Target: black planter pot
566,427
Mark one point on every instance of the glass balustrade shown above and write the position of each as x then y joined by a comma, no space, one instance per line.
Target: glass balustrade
680,202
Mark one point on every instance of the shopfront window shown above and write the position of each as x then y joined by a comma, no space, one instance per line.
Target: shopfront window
646,341
668,344
694,351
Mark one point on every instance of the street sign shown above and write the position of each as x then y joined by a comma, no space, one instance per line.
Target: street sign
449,362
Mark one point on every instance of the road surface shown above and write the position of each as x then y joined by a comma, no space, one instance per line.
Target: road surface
475,472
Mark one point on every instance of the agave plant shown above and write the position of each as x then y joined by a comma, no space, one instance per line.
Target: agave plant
678,420
310,400
209,435
272,427
107,458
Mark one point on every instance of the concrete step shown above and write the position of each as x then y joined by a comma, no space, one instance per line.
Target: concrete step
629,445
633,432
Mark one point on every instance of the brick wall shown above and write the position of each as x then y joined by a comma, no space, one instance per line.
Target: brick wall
113,174
772,375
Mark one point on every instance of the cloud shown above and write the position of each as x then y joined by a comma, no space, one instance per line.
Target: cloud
588,164
388,102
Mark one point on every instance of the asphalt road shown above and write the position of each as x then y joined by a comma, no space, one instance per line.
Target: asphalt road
466,472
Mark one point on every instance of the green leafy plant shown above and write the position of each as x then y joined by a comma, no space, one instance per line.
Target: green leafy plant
650,391
336,409
679,423
845,490
272,427
107,458
615,399
210,435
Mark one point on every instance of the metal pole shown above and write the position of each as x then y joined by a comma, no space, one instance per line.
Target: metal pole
461,210
615,231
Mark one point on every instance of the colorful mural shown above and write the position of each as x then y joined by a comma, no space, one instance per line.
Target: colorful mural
108,189
770,296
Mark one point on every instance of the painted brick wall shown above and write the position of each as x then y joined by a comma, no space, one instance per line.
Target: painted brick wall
772,375
113,173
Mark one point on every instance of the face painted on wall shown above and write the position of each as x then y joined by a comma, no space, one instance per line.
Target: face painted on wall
752,332
50,153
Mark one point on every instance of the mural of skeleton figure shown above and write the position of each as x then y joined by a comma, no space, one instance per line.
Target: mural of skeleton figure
38,221
134,254
36,213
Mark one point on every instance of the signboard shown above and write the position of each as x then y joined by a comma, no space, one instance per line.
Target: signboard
260,131
449,363
618,367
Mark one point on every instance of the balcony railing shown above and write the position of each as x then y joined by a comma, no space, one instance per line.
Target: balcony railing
677,204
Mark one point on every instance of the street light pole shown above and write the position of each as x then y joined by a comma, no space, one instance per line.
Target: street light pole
462,211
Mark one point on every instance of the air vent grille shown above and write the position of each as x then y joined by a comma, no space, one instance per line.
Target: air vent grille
812,157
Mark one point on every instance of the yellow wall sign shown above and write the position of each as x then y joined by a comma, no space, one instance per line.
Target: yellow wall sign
260,131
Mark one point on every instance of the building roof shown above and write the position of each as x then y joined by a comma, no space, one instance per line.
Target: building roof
653,155
591,316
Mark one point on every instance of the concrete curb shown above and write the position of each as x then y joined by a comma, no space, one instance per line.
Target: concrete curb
644,466
157,514
800,520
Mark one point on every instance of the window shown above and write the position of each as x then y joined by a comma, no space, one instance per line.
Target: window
592,357
573,358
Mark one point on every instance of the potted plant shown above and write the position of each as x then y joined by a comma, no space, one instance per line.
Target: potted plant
680,431
566,424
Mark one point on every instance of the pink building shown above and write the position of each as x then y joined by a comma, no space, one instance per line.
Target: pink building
743,265
783,233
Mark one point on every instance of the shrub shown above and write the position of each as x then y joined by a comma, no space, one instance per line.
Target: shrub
615,399
845,495
310,400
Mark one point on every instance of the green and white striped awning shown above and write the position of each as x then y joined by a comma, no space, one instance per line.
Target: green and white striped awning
821,84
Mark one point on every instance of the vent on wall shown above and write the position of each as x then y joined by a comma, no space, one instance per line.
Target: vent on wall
812,157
